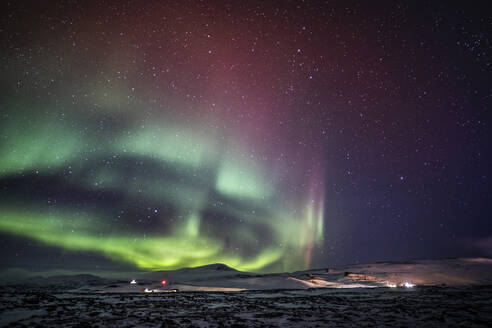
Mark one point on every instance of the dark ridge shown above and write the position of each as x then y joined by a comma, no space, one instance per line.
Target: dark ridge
211,267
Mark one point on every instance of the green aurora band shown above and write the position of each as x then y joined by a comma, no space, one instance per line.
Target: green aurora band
268,232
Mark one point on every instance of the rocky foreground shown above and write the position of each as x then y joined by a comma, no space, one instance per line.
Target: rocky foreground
381,307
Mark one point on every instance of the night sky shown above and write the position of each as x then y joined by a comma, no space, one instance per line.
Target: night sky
269,135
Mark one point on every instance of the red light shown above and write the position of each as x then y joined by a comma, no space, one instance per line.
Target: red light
163,282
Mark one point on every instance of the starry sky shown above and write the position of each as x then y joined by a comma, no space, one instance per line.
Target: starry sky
266,135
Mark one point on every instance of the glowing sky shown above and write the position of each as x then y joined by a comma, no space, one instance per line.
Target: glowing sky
179,196
266,136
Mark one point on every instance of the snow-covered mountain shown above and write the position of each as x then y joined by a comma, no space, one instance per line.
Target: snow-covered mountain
220,277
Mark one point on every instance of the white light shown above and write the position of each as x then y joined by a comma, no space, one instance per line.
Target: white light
408,285
391,285
133,282
146,290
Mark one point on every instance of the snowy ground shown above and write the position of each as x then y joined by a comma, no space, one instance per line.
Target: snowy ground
448,293
382,307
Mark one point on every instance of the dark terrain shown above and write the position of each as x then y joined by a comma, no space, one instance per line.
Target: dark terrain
22,306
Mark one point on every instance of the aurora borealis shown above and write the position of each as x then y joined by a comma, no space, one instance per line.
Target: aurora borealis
268,136
170,194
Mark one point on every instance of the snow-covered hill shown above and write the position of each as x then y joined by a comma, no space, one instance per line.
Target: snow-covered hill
219,277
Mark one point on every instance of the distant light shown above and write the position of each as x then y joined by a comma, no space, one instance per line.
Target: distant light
133,282
146,290
163,282
408,285
391,285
